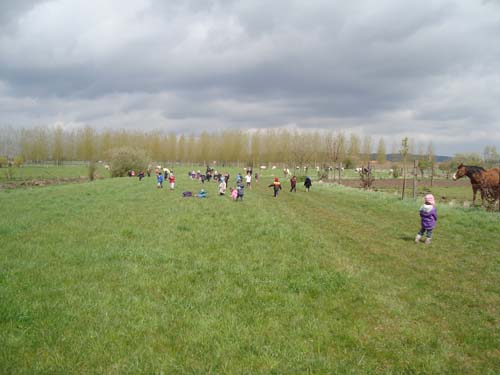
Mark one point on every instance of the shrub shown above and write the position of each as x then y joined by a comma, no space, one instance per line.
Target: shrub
367,178
18,161
395,171
124,159
92,170
348,163
3,161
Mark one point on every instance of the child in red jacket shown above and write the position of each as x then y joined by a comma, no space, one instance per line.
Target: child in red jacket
276,185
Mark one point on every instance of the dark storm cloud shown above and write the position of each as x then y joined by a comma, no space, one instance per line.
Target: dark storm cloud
382,67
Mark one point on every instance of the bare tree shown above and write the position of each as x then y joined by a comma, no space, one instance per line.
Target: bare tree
58,145
181,148
35,144
255,148
404,157
335,150
86,143
367,148
381,152
300,149
10,141
354,148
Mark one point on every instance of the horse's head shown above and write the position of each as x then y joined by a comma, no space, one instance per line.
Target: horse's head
461,171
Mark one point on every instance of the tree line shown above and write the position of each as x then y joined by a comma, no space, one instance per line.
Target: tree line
263,146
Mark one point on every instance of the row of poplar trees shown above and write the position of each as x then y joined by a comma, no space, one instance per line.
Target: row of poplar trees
264,146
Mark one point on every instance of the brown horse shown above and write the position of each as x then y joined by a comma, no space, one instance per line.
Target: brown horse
490,184
480,178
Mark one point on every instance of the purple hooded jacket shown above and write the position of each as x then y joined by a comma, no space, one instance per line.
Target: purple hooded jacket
428,216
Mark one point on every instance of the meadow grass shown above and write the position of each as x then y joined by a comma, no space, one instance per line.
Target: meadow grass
49,172
117,276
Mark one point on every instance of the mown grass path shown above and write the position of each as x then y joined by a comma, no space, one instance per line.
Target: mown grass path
116,276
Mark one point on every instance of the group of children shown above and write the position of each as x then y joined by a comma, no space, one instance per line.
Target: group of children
428,212
237,192
171,180
276,185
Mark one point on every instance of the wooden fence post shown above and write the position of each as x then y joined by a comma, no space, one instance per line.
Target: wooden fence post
415,179
432,173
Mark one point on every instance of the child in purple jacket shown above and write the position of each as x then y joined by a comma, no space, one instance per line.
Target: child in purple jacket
428,218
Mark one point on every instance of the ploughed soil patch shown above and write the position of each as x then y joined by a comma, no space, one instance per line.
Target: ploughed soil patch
393,183
439,186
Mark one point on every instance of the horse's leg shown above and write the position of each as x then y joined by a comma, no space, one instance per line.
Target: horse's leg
474,191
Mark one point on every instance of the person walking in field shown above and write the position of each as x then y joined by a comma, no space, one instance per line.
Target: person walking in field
234,193
428,219
239,190
307,183
159,179
222,187
276,185
293,184
248,180
171,179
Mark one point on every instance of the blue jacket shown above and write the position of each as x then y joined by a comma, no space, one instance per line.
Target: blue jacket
239,188
160,177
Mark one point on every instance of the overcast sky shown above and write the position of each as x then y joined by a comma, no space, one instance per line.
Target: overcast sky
429,70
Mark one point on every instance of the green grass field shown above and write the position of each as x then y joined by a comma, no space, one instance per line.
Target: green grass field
116,276
49,172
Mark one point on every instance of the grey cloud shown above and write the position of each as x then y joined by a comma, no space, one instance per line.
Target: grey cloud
315,63
11,10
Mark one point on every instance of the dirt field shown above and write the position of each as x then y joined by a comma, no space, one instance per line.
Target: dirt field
396,184
445,190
